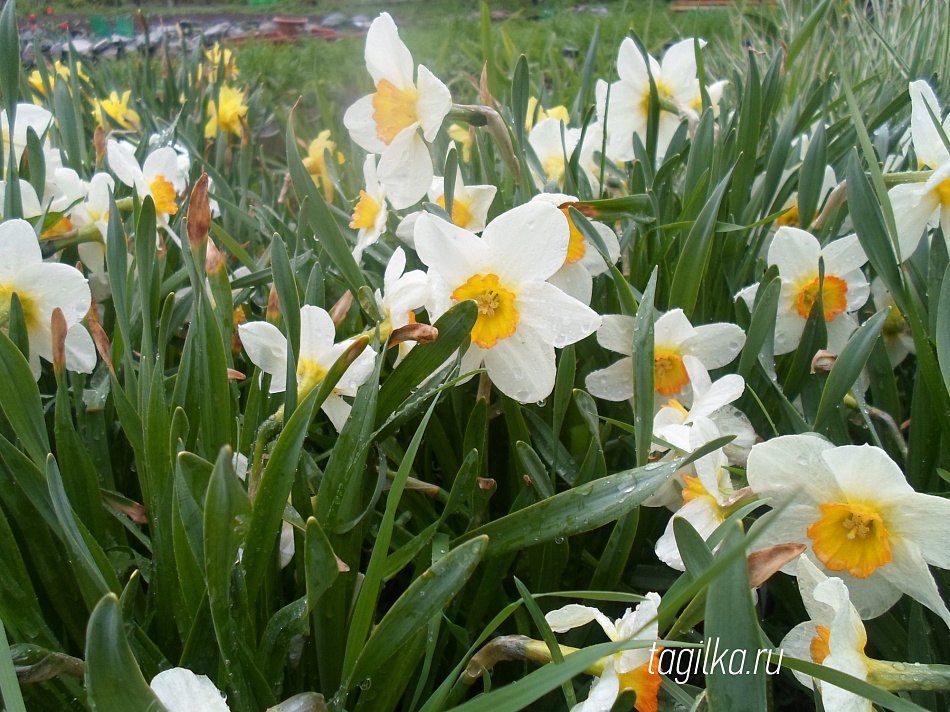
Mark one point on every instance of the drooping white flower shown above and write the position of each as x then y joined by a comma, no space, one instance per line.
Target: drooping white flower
470,205
160,176
715,345
583,262
635,670
919,205
266,346
628,112
370,213
403,292
845,288
860,519
521,317
834,636
42,287
180,690
388,121
898,339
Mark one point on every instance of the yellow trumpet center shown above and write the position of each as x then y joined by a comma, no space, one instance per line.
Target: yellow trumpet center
851,537
461,214
834,297
309,375
553,168
394,110
693,490
497,315
663,91
669,372
943,192
577,246
366,211
790,218
163,193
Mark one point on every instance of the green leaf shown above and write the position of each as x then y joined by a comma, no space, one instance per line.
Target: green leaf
943,329
694,257
411,612
289,301
848,366
731,621
871,229
9,59
9,685
852,684
762,327
574,511
113,680
644,372
20,400
807,30
320,563
811,176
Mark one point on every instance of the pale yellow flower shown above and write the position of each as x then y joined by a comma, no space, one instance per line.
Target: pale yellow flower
555,112
214,57
315,163
117,109
232,110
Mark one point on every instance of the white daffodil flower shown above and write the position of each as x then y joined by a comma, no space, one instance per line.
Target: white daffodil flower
180,690
160,176
861,521
674,337
834,636
919,205
844,291
704,495
388,121
42,287
521,317
635,670
266,346
584,262
28,116
676,84
545,141
370,213
898,339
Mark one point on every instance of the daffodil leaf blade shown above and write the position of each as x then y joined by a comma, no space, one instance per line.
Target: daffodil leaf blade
943,328
114,681
850,683
9,58
575,510
644,371
811,177
20,401
731,621
848,366
425,597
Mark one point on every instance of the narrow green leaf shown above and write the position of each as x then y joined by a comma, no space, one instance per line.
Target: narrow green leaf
320,563
9,685
644,372
20,400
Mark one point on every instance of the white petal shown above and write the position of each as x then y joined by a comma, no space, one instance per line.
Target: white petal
267,349
433,104
797,644
715,344
908,572
317,333
672,330
180,690
80,350
679,70
121,158
927,142
53,284
557,318
705,517
163,162
455,254
616,333
793,467
867,472
530,242
18,246
575,281
405,169
913,206
630,65
925,520
574,615
843,255
337,410
796,253
522,366
480,198
604,692
614,383
386,55
359,121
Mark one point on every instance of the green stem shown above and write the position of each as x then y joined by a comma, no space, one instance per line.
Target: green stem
908,676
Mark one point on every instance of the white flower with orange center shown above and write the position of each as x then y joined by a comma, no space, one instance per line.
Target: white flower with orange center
705,495
403,292
677,87
834,636
28,116
42,287
389,121
521,317
545,141
635,670
370,213
861,521
918,206
159,176
845,288
674,337
266,346
584,261
470,205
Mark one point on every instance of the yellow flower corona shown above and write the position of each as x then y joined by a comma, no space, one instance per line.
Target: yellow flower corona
366,211
461,214
310,374
669,372
577,247
851,537
497,315
163,193
226,117
116,109
28,305
394,110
